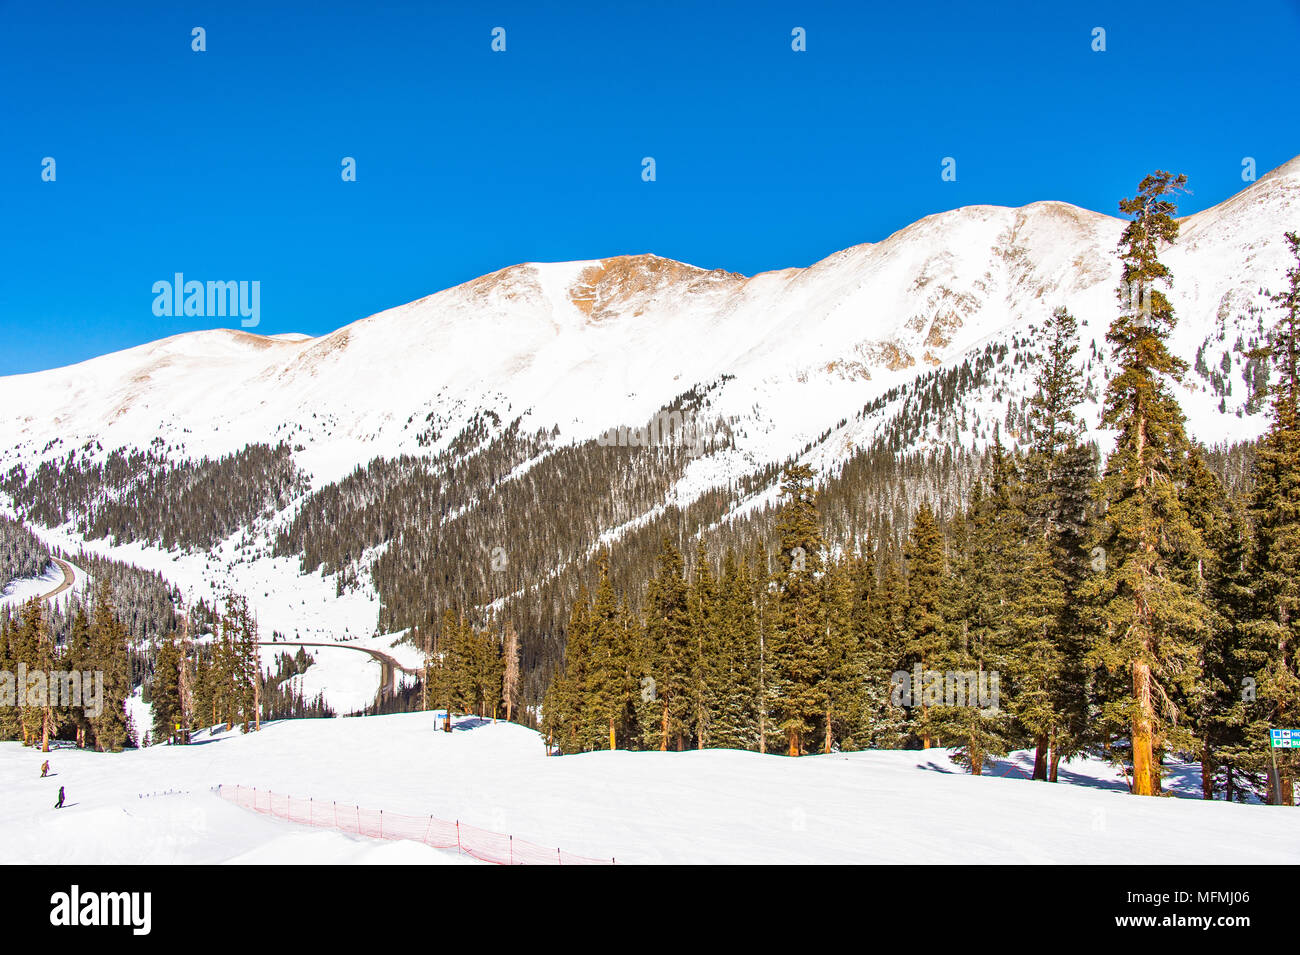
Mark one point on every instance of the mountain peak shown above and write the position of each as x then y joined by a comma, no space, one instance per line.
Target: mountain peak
630,284
585,345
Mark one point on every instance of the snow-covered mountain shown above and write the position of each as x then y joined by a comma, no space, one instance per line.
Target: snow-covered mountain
818,363
590,345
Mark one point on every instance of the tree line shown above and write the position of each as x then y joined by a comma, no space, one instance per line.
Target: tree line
37,701
471,670
215,678
134,495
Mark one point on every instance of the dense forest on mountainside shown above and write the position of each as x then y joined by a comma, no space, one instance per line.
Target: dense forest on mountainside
143,496
22,553
408,523
337,524
146,603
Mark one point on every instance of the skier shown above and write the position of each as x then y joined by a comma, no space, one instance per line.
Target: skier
59,804
45,769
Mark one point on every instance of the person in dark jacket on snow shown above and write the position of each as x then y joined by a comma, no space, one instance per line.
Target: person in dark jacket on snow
59,804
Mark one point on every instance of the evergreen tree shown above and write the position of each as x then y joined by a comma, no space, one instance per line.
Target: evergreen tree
164,691
706,667
984,590
1151,613
239,630
564,715
845,719
607,693
10,724
1215,706
798,644
486,673
44,664
109,651
1274,651
762,600
879,621
1059,473
668,638
923,638
735,708
27,650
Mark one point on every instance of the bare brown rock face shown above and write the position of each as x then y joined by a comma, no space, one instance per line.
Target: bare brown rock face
625,284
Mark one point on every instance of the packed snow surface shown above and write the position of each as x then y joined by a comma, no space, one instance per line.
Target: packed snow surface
713,806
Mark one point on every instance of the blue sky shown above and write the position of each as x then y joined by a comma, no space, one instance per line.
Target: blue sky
225,164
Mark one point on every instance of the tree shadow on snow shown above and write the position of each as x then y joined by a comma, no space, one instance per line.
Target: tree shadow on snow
936,768
1183,779
470,723
1021,766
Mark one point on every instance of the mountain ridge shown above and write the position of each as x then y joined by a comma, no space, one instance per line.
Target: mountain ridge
541,340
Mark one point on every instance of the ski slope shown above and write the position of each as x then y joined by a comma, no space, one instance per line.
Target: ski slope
712,806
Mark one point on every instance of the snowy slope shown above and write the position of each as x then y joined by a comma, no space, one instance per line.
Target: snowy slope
590,345
792,356
695,807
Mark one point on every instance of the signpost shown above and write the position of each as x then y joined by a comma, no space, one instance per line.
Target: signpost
1281,739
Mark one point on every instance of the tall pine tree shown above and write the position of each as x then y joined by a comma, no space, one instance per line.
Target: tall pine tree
1152,616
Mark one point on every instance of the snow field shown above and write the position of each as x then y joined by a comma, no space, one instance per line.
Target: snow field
712,806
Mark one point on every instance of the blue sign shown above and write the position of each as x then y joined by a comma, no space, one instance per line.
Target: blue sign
1284,739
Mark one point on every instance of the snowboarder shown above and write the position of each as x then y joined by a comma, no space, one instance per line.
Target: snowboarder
59,804
45,769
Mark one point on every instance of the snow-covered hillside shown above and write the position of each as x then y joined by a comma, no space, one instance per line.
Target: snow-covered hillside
713,806
590,345
801,362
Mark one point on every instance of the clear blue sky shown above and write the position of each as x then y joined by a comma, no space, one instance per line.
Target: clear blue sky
226,164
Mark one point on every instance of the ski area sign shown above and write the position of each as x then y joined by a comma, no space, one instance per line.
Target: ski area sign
1284,739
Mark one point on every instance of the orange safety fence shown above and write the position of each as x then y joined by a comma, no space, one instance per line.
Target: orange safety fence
481,844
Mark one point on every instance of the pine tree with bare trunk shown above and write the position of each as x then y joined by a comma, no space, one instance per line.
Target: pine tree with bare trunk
1151,614
510,681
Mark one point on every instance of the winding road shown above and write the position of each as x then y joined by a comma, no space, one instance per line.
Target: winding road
69,578
388,665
